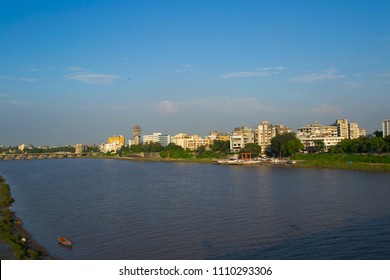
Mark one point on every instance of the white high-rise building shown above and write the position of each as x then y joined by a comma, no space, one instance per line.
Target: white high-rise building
386,127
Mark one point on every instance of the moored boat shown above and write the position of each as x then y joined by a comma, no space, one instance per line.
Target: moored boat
66,242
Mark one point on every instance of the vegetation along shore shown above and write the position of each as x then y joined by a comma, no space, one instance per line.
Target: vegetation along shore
368,154
360,154
15,242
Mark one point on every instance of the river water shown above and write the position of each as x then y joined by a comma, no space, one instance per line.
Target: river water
114,209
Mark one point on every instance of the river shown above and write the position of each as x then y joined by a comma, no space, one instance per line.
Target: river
118,209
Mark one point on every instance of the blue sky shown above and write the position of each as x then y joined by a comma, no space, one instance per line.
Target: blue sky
73,72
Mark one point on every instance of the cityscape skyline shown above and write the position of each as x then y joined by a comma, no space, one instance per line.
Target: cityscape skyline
94,69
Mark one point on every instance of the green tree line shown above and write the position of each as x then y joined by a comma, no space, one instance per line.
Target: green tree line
217,150
363,145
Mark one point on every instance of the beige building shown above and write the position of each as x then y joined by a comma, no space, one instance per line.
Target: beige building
342,128
240,137
354,131
266,131
191,142
22,147
181,139
317,130
310,142
331,135
79,148
215,135
105,148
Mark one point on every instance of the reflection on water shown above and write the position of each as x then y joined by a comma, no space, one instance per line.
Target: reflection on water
153,210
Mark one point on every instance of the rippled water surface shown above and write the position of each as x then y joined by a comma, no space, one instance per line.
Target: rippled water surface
114,209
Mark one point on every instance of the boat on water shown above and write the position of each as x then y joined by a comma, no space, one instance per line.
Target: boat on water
66,242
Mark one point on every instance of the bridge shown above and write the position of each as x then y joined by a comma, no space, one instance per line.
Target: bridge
41,156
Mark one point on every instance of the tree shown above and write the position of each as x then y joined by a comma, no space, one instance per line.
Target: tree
319,145
220,146
378,133
136,148
285,144
175,151
291,147
252,148
363,145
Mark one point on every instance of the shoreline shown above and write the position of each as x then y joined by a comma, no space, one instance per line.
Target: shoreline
301,162
308,163
16,242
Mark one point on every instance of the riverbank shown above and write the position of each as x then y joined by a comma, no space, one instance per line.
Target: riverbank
379,163
15,242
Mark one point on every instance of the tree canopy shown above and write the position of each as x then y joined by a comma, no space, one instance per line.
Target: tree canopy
364,145
284,145
252,148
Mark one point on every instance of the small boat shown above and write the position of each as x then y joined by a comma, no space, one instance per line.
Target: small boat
64,241
18,222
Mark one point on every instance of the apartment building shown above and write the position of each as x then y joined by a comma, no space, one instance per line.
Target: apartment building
157,137
240,137
215,135
114,143
353,131
79,148
342,128
386,128
266,131
317,130
191,142
331,135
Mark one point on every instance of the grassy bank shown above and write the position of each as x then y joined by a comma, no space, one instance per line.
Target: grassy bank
321,160
194,160
13,236
344,161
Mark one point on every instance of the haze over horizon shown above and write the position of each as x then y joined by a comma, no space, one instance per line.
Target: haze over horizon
77,72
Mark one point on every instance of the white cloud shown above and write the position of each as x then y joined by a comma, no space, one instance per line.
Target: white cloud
326,75
258,72
167,107
184,68
216,104
325,109
82,75
33,68
351,85
29,80
93,78
75,68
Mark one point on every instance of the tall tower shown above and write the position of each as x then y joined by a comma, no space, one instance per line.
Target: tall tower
136,134
386,127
